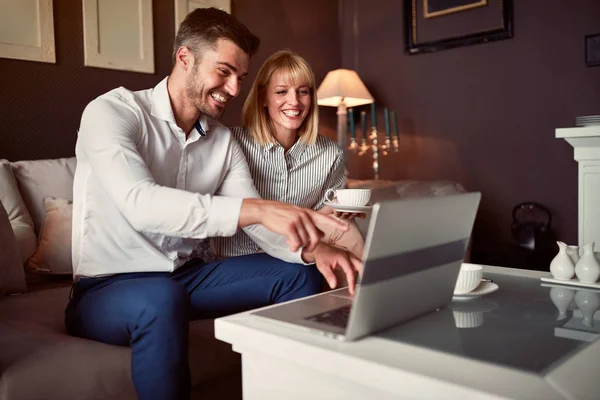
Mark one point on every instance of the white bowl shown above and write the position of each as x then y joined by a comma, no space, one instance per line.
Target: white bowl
469,278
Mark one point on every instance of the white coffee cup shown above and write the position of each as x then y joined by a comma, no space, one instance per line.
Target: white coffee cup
349,197
469,278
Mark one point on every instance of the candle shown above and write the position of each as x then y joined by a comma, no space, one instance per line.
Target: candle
351,117
394,126
373,114
386,116
363,122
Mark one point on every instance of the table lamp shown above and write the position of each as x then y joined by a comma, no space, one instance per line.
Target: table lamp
342,88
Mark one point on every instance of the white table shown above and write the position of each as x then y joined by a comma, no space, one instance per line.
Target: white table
280,362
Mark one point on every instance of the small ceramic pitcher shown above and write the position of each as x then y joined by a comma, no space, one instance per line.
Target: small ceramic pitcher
561,266
588,268
573,252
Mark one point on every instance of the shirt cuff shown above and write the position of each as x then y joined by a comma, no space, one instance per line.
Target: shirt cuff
298,255
224,216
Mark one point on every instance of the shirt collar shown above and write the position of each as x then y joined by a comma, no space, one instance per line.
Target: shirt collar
161,104
270,146
297,150
161,107
294,152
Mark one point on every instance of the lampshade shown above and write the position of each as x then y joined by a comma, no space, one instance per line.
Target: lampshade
343,85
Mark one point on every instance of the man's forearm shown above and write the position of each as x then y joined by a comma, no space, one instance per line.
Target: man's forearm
298,225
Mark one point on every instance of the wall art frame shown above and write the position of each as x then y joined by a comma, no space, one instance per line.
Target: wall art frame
499,13
437,8
28,33
118,35
592,50
184,7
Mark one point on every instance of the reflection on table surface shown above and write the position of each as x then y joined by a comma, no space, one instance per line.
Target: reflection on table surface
577,311
519,326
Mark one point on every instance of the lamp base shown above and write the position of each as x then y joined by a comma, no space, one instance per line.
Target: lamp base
342,130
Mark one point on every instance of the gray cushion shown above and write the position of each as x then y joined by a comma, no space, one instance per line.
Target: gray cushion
18,215
38,360
12,277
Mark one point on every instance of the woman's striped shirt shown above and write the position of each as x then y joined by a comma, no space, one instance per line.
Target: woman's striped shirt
300,176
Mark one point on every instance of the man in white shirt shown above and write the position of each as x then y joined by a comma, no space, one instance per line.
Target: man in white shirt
157,175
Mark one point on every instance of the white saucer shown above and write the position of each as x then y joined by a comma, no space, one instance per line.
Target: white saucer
352,209
481,290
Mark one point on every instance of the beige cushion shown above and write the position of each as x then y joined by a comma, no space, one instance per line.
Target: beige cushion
38,360
22,224
12,277
41,178
53,255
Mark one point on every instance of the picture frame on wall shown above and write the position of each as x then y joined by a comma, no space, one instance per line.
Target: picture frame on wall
125,31
27,30
592,50
436,8
434,25
184,7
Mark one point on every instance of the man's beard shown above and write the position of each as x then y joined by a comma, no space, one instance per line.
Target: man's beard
195,95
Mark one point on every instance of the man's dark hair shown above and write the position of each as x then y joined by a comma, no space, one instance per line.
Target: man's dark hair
204,26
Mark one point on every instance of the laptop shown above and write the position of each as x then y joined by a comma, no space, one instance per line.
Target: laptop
413,253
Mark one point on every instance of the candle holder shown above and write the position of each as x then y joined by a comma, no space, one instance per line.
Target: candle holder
395,144
370,142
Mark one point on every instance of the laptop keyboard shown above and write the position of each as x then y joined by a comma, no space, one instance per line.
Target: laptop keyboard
338,317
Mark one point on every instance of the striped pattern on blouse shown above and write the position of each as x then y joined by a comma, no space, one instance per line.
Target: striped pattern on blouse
300,176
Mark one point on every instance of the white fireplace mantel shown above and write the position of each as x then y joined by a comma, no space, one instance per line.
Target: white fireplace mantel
586,146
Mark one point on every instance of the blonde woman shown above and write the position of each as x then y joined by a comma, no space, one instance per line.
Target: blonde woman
288,159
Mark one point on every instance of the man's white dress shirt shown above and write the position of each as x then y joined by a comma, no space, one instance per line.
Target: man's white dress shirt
144,194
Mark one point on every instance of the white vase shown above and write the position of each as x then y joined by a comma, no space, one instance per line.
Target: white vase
588,303
573,252
562,298
561,266
588,268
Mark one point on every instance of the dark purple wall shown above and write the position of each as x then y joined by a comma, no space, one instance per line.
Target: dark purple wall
483,115
42,103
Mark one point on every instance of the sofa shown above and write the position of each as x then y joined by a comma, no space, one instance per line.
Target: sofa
38,359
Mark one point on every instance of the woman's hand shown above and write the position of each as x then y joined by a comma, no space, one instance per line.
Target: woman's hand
345,216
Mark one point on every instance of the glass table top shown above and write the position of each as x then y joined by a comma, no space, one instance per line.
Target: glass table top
526,324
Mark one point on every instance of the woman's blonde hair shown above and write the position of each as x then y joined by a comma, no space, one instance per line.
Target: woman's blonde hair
255,116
